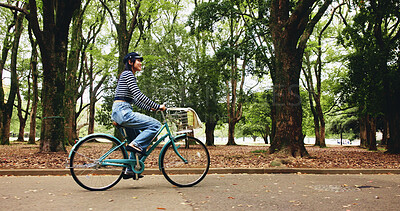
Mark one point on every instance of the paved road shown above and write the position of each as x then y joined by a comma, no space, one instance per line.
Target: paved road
216,192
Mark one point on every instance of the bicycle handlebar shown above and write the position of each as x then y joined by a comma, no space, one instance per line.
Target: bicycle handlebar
163,114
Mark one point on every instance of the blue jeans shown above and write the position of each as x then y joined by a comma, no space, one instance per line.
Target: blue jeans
140,128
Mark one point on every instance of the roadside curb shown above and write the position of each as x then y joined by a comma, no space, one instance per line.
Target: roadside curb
63,172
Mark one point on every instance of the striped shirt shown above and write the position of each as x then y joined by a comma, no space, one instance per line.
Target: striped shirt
128,91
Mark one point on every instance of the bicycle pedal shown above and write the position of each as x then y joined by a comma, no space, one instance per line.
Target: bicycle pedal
137,177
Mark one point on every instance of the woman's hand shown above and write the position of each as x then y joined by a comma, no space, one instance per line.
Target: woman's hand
162,108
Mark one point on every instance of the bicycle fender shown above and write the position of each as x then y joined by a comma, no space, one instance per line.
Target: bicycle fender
162,150
90,136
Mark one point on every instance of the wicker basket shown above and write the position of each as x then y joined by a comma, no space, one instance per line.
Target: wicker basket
183,120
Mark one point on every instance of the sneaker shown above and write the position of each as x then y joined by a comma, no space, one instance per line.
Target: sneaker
128,174
134,149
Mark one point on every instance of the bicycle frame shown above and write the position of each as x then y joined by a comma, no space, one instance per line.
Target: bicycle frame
102,161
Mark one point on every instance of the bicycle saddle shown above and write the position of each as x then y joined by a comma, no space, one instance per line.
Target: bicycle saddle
121,129
116,124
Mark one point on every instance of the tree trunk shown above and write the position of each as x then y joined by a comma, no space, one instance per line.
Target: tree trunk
363,132
317,133
92,104
323,143
21,117
371,122
391,75
310,89
267,132
210,127
34,56
71,89
8,107
393,115
53,43
233,106
4,53
385,135
321,121
231,133
290,30
52,131
394,140
289,138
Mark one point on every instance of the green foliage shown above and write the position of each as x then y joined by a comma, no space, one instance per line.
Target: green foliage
103,114
207,14
346,123
187,62
256,119
308,121
372,35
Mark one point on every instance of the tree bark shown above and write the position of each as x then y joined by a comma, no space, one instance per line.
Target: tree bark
4,53
288,137
8,107
22,118
394,140
71,85
94,91
33,63
210,128
267,132
310,89
290,30
385,135
233,106
231,134
371,121
393,112
53,43
363,132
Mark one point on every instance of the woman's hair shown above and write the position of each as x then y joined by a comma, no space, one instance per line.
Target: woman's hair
132,56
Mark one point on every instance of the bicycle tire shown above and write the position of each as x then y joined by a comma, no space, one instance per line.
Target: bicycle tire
84,165
182,174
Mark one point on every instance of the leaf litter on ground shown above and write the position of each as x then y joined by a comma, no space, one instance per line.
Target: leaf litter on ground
23,156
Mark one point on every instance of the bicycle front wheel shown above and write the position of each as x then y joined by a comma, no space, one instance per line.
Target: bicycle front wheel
191,170
88,171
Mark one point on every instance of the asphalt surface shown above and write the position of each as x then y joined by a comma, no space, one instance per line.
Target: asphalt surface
216,192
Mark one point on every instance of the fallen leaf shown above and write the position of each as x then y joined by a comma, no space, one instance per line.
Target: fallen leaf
19,155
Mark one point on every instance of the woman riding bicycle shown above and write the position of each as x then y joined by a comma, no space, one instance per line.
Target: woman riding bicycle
140,128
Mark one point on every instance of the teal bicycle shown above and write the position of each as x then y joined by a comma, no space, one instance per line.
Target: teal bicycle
98,161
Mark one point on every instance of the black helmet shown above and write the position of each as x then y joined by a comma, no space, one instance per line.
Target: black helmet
132,56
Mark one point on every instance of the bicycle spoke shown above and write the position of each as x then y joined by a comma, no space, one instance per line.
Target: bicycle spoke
86,169
191,172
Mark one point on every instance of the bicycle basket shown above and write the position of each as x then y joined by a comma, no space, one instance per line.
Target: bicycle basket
183,120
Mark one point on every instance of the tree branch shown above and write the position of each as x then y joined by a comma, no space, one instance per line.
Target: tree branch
109,12
310,26
15,8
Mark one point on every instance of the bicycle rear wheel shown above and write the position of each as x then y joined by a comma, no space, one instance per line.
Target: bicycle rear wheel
85,167
185,174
